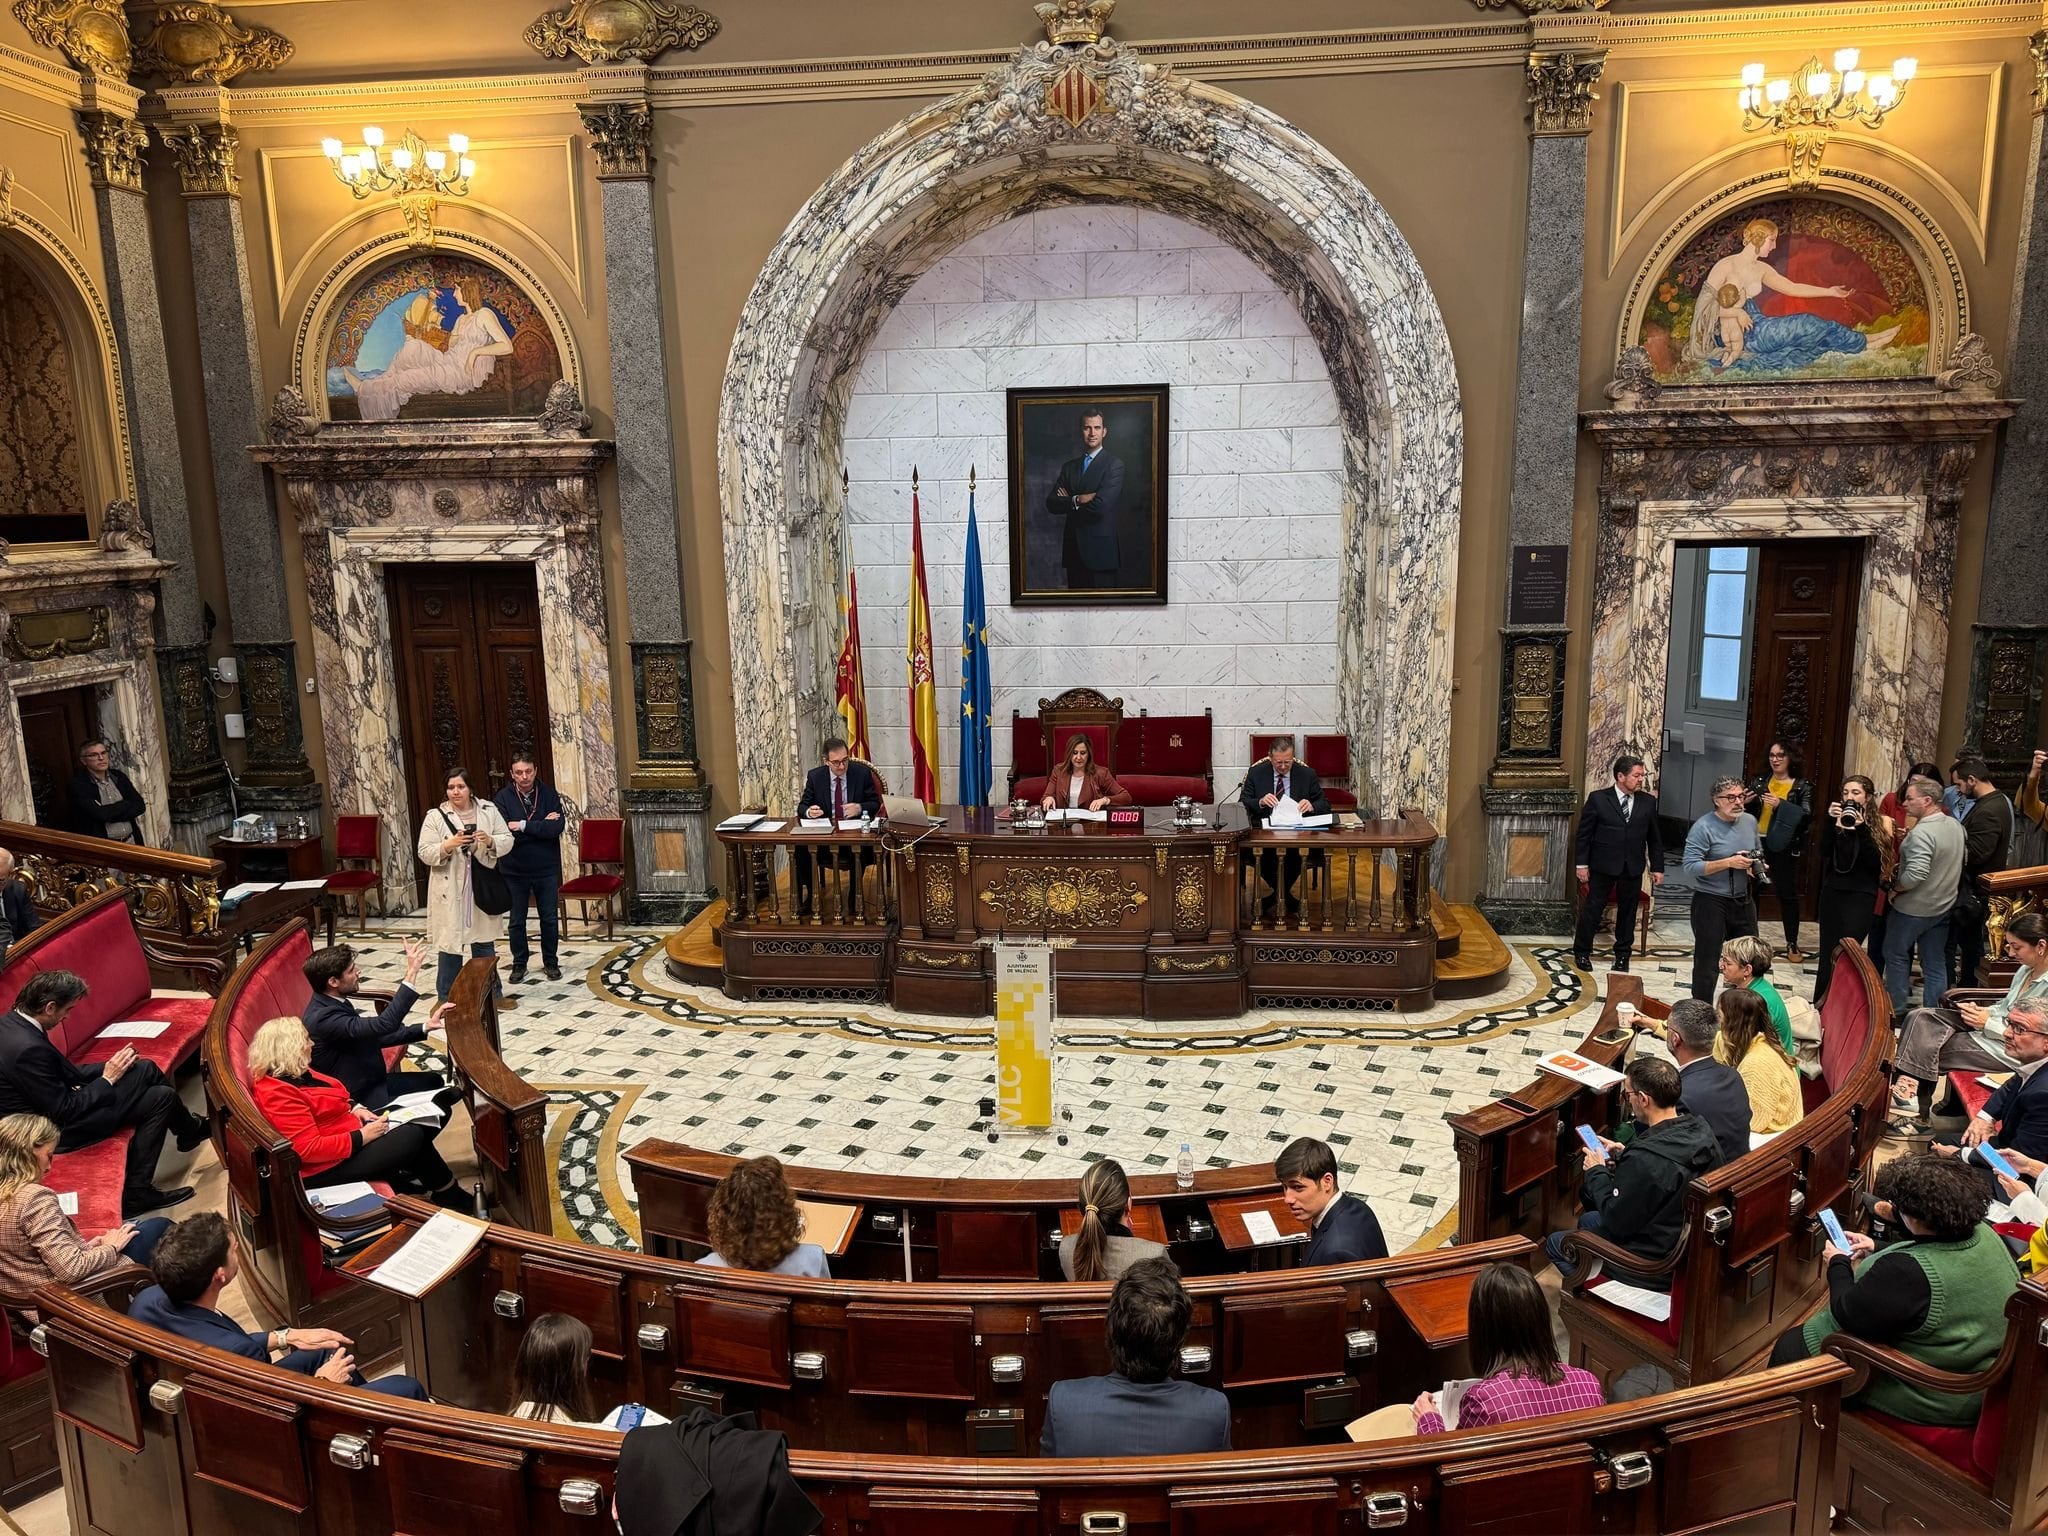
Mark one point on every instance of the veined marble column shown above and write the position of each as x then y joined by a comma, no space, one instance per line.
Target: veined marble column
277,776
667,800
2009,660
1529,797
114,142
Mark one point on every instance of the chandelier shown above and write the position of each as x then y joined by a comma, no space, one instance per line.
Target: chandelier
416,177
1808,107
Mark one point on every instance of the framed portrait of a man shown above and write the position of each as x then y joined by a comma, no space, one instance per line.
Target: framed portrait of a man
1088,496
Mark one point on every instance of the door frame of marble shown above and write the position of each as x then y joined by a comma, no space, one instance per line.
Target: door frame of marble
124,706
1196,151
369,738
1631,650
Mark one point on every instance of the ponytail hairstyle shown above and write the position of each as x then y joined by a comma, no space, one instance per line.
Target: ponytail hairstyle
1105,1196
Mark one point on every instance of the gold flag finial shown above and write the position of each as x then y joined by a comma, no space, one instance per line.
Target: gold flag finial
913,477
970,477
1071,22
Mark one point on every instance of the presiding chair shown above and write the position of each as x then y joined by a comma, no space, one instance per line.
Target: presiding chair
599,840
358,840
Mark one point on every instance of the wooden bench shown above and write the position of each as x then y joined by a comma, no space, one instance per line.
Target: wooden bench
945,1229
1992,1476
948,1369
508,1120
1747,1265
160,1435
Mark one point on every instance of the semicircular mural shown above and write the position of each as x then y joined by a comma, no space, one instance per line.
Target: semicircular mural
1788,288
436,335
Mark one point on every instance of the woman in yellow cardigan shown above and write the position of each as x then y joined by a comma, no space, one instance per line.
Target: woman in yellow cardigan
1747,1044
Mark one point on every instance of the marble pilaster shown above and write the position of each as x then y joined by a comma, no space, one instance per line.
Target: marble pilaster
365,496
276,775
666,793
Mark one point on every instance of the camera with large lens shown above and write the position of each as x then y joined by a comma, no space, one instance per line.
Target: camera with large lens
1852,816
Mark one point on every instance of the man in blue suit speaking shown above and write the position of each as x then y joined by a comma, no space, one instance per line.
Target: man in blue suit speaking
1341,1228
1086,496
1139,1409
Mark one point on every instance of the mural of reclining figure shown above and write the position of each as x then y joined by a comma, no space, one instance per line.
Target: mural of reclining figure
434,360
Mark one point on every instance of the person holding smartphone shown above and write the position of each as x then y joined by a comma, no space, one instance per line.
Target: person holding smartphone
459,833
1723,857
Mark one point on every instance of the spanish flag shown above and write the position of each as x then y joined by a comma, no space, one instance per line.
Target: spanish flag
852,702
924,701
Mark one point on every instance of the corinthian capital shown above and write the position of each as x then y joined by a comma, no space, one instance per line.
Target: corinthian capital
1561,91
206,158
622,137
113,147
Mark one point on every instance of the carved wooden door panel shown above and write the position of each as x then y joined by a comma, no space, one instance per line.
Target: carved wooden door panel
1800,675
54,727
472,687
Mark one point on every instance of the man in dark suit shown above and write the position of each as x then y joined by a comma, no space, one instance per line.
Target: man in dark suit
1086,495
1274,778
104,802
1139,1409
349,1047
2015,1117
1341,1228
193,1263
1708,1088
89,1104
839,788
17,912
1618,840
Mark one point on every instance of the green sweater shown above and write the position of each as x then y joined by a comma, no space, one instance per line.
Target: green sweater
1781,1021
1968,1284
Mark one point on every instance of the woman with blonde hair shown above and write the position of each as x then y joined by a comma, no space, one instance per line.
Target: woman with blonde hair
464,832
339,1142
1747,1043
1104,1247
755,1224
38,1243
1080,783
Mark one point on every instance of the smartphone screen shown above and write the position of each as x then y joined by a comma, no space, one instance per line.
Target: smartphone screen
1592,1142
1833,1223
1998,1161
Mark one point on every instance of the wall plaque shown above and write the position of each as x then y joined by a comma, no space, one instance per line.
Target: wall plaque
1536,590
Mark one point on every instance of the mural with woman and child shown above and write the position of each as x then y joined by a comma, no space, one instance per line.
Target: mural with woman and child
1788,288
436,335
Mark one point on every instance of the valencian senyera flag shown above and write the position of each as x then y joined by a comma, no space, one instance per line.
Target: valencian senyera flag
977,700
924,701
852,695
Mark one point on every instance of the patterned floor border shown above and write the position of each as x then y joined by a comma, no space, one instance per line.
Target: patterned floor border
626,977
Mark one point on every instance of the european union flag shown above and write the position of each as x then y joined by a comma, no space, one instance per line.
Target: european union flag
977,698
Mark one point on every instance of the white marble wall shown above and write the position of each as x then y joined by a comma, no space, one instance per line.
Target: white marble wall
1102,294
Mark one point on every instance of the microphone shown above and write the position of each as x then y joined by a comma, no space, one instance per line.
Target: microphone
1218,815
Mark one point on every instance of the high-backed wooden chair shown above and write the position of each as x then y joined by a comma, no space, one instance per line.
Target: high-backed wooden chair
600,840
1085,712
358,841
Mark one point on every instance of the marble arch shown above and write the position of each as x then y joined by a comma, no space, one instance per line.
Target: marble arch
1203,154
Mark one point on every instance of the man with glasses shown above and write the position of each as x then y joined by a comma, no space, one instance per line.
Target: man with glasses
1923,891
2015,1118
1722,854
103,798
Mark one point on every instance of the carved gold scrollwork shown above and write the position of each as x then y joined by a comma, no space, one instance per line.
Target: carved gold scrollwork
938,897
156,903
202,902
1064,897
1159,859
1177,963
201,44
1216,852
935,962
606,31
92,34
1190,899
66,632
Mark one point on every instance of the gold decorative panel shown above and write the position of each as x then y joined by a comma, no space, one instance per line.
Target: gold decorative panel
69,632
42,489
1190,899
938,896
1069,896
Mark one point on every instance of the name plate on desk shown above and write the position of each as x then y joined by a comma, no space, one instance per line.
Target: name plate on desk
1126,818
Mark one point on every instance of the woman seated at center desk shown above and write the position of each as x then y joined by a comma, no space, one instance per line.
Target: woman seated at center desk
1083,784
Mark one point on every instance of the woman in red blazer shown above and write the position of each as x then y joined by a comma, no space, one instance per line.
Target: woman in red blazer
339,1142
1082,783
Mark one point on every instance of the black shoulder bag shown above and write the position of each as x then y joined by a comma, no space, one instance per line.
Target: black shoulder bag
487,888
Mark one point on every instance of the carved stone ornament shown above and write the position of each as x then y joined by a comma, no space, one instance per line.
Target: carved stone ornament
92,34
606,31
1055,95
1561,91
6,196
113,147
1970,366
562,414
291,421
201,44
622,137
2037,45
205,153
1635,380
122,529
1074,22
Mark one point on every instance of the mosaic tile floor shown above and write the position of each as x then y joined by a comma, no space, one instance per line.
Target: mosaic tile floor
625,1053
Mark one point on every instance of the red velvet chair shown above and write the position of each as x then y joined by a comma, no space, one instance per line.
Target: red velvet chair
599,840
358,840
1330,757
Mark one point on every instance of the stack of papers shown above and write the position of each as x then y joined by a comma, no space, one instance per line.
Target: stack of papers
768,826
1300,823
850,824
248,888
345,1200
1063,813
1579,1070
741,822
431,1254
814,824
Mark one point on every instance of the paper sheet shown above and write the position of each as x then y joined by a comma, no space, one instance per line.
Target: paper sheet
431,1254
135,1029
768,826
67,1201
337,1194
850,824
740,822
1580,1070
1451,1396
1655,1305
305,885
819,824
1258,1226
412,1114
1300,823
1285,814
249,888
1994,1080
407,1100
1073,813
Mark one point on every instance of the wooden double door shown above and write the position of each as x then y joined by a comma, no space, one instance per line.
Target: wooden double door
55,727
1800,677
471,674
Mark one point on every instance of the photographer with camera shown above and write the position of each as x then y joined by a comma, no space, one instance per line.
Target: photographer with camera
1858,851
1723,858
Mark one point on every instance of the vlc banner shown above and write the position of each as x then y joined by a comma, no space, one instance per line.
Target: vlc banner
1024,1035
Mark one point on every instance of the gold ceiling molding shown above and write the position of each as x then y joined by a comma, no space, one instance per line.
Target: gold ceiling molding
608,31
1821,22
92,34
1543,7
197,43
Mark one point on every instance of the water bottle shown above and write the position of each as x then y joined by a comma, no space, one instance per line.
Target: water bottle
1184,1168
